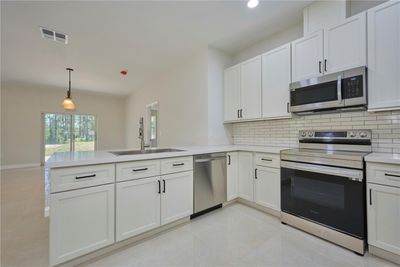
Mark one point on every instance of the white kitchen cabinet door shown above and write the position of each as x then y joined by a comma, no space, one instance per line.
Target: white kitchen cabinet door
246,175
81,221
384,56
176,196
267,187
232,182
250,88
275,82
232,93
384,217
307,57
345,45
138,207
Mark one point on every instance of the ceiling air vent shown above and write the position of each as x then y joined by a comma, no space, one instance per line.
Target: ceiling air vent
54,36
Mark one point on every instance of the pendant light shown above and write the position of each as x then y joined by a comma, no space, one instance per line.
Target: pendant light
68,104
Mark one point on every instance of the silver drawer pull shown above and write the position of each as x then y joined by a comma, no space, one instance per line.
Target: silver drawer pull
392,175
264,159
177,164
85,176
139,170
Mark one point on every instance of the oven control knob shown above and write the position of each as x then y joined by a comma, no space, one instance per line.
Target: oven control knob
363,134
310,134
303,134
352,134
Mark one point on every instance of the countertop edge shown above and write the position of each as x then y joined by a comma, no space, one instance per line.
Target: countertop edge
110,158
384,158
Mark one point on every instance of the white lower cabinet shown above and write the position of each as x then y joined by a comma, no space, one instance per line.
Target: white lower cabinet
246,175
232,181
177,196
267,187
81,221
138,207
384,217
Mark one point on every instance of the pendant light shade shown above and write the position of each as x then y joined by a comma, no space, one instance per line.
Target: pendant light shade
68,104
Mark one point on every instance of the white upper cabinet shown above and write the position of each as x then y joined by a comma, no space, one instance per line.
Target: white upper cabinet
275,82
384,56
333,49
246,175
250,86
307,57
323,14
232,93
345,44
232,181
384,217
176,196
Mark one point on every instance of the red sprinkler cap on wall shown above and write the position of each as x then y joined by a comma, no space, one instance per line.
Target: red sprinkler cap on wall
124,72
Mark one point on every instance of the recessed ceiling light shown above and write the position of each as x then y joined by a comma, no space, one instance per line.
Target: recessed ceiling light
252,3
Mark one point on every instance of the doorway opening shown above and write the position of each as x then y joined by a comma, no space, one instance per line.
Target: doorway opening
68,133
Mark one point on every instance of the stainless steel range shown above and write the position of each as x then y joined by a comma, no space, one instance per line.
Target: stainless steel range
323,186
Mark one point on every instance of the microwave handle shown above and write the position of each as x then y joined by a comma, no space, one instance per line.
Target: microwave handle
339,88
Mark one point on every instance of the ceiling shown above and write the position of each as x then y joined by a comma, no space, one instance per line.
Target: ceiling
144,38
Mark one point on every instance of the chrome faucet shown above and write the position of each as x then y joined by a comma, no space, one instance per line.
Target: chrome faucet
141,134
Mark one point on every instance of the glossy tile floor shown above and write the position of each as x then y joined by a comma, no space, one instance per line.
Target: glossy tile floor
233,236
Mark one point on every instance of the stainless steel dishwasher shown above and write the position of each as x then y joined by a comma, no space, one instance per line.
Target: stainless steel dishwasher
209,182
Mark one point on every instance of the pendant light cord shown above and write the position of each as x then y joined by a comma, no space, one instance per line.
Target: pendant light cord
69,83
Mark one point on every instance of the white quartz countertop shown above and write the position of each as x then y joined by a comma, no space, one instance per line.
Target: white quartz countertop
383,158
70,159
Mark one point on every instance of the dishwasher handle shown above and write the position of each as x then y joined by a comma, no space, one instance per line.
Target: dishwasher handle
208,159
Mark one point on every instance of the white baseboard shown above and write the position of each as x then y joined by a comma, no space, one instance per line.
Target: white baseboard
19,166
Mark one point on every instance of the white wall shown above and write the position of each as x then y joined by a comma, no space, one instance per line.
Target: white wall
190,98
182,96
218,133
21,128
357,6
270,42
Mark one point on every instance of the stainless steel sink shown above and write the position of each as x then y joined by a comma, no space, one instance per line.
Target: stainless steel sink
147,151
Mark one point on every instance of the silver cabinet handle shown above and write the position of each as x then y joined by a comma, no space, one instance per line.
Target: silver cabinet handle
319,66
325,63
255,173
178,164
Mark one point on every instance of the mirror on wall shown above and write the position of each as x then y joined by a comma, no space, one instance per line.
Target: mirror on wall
152,123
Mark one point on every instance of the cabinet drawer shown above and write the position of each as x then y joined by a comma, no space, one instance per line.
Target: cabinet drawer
267,160
63,179
180,164
386,174
137,169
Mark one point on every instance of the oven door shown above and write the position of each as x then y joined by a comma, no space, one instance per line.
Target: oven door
318,93
331,196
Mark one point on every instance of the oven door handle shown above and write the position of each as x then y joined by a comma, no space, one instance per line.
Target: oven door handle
354,175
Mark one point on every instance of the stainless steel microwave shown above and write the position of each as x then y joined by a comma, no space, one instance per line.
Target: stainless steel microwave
346,90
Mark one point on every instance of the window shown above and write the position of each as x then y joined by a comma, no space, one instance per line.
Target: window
66,132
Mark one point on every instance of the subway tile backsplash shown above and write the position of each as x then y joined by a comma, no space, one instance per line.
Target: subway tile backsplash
385,128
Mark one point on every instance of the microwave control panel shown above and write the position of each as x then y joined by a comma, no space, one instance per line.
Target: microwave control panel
353,87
